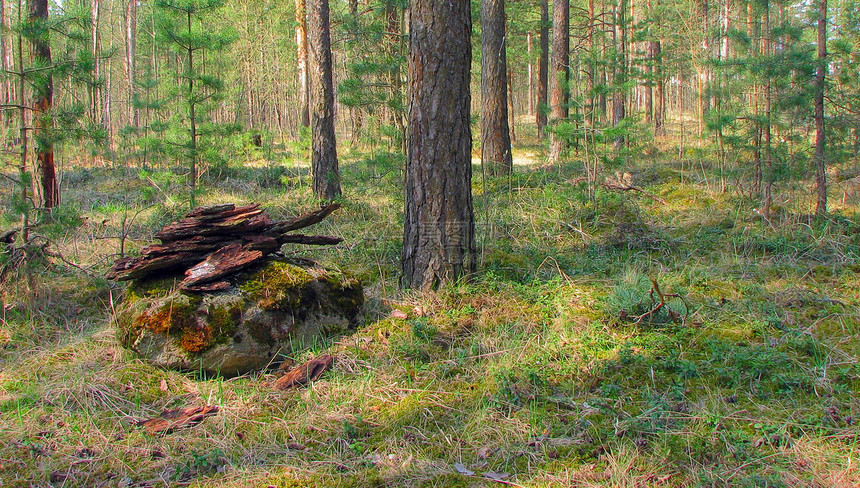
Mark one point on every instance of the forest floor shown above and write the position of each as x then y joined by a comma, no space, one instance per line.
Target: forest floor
549,368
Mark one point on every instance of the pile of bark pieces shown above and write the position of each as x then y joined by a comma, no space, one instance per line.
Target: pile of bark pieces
213,243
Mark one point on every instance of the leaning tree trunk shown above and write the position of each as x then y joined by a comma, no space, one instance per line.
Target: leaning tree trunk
43,99
439,223
543,68
326,178
559,90
820,72
495,133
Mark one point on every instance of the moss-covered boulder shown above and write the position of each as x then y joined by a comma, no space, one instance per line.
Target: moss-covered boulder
270,310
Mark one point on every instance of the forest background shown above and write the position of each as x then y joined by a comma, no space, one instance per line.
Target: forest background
701,156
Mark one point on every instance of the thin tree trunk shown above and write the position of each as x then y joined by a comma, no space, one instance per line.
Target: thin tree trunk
559,89
439,223
95,90
326,177
495,132
619,97
660,98
766,137
5,57
820,73
591,57
43,100
512,117
302,61
543,69
531,101
130,60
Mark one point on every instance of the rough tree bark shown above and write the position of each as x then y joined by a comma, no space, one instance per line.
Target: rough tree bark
559,90
820,73
439,223
495,132
43,100
326,178
543,68
302,61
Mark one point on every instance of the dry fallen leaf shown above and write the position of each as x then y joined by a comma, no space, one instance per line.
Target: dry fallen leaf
163,385
399,314
462,469
496,476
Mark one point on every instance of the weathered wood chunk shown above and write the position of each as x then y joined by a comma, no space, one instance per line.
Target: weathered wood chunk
214,242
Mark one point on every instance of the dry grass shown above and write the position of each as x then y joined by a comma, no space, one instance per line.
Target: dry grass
530,369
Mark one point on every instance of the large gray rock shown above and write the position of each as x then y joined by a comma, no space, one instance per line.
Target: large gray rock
271,310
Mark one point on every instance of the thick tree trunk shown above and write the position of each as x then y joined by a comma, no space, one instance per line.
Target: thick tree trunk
559,89
302,61
820,73
543,68
495,132
326,177
439,224
43,100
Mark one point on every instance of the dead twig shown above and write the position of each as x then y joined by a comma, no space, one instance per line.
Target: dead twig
656,306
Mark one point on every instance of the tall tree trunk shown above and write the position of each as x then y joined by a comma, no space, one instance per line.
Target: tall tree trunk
95,90
768,175
543,68
512,116
439,223
591,58
302,61
5,57
619,96
649,69
326,177
130,60
660,97
559,88
192,116
43,100
495,132
820,73
531,101
395,47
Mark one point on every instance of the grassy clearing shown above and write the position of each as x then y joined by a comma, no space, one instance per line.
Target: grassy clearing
546,366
